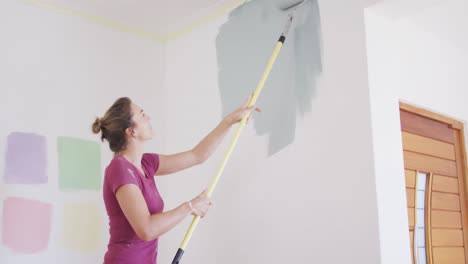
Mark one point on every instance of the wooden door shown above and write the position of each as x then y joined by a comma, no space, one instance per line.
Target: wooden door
435,172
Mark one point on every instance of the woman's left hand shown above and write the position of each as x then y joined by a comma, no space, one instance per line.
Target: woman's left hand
240,113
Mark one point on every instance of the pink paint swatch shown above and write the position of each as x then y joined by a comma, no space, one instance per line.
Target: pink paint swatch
26,225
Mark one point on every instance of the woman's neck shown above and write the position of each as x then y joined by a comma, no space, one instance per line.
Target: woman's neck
133,153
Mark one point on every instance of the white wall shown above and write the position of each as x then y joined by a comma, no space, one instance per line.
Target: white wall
408,62
314,201
57,74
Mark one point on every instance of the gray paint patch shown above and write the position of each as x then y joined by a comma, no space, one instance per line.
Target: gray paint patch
245,43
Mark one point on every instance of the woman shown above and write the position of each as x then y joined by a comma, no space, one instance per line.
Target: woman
132,200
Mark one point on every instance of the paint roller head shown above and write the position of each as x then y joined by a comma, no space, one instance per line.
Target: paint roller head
291,5
287,5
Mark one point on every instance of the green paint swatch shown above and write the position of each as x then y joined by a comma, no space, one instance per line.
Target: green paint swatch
79,164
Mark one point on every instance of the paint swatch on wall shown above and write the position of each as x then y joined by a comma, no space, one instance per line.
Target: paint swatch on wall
82,227
245,43
26,159
79,164
26,225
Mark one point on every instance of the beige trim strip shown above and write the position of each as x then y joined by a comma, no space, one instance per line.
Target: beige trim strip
415,231
428,207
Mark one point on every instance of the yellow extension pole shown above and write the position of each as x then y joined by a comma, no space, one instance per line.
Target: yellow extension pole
233,143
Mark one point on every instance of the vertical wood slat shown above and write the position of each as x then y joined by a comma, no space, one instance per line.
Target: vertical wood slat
411,246
412,256
410,198
411,237
462,174
410,178
415,233
411,218
428,222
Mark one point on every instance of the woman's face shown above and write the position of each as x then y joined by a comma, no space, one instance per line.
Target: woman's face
142,129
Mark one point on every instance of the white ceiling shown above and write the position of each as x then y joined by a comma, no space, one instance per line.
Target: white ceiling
167,19
162,18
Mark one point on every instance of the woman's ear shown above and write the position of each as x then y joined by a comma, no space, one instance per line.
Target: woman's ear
130,132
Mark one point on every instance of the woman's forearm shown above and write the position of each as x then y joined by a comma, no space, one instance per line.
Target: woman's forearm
210,143
161,223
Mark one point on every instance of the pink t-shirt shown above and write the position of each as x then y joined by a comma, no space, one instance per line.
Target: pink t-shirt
124,245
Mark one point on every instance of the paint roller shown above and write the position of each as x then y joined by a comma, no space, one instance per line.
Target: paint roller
290,7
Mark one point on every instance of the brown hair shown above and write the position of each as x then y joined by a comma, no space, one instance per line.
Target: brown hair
114,123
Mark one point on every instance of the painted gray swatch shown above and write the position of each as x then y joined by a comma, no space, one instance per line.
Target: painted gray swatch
245,43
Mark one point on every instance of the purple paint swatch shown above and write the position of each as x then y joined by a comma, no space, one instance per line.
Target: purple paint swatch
26,159
26,225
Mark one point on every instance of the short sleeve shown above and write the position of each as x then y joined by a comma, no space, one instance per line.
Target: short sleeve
151,161
119,174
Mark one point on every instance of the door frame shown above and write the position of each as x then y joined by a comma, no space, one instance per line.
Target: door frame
460,152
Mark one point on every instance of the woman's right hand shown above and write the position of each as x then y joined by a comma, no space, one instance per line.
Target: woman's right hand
200,204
